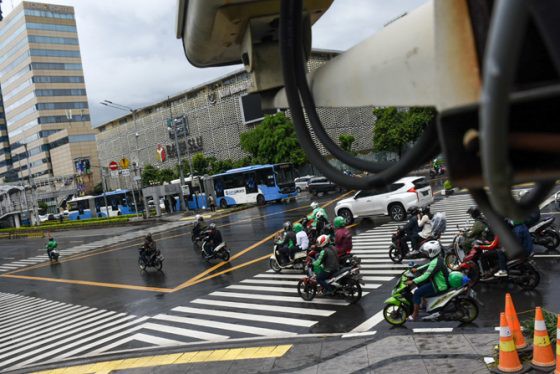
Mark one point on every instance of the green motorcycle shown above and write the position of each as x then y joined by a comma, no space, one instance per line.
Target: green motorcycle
455,304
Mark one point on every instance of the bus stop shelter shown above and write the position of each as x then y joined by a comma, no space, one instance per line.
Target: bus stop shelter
166,191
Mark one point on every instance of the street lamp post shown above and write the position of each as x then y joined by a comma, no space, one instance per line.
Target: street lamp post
30,181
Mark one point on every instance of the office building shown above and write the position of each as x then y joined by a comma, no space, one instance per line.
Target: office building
45,104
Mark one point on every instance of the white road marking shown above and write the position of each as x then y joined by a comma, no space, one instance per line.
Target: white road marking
433,329
358,334
291,299
270,308
183,332
369,323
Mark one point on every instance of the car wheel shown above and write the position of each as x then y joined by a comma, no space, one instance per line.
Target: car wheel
223,203
298,190
397,212
347,215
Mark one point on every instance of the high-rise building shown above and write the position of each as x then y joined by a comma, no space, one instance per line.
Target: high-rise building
47,120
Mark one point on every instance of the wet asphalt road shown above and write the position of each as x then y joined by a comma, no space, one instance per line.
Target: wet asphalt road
241,230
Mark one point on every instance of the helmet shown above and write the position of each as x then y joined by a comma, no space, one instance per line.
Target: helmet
322,241
339,222
413,211
431,249
149,236
314,205
474,212
298,227
455,279
212,226
319,214
425,210
287,226
199,218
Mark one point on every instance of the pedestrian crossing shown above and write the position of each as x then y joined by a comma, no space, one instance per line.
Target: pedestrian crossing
267,304
135,234
34,330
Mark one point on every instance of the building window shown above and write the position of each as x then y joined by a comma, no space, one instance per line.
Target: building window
15,63
9,39
54,66
54,53
19,116
51,27
23,128
54,106
81,138
63,119
58,79
18,89
52,40
48,14
61,92
17,75
19,102
12,51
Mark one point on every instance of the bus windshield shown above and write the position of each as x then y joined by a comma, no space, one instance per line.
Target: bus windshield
284,173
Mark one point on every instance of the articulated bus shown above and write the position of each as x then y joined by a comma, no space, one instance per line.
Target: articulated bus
119,202
254,184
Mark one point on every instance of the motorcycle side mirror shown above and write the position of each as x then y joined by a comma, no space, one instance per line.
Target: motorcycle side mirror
411,264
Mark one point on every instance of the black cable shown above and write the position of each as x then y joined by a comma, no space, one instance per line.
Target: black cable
425,148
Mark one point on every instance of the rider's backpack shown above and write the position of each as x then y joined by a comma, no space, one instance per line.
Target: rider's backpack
439,224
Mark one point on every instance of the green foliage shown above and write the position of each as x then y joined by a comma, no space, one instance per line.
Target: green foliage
273,141
53,225
98,189
200,163
550,320
220,166
150,176
43,207
166,175
394,128
447,185
346,141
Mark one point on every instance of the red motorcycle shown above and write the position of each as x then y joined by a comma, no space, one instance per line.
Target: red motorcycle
481,263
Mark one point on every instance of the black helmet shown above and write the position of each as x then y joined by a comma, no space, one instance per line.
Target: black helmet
287,226
474,212
212,226
425,210
413,211
149,237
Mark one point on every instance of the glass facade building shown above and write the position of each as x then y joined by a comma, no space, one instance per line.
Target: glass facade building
44,122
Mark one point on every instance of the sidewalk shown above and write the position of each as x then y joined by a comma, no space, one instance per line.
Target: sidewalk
417,353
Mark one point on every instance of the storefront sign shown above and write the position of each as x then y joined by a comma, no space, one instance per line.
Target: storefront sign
191,146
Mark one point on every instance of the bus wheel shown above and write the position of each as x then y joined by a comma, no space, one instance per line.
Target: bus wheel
223,203
260,200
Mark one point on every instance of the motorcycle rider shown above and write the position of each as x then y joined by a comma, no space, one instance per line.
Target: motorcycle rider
214,239
199,226
411,228
342,237
478,228
51,246
326,263
302,241
433,279
524,238
316,209
149,248
287,242
425,224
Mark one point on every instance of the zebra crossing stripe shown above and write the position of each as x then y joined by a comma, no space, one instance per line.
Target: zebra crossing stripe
271,281
247,316
181,331
291,299
145,338
271,308
262,288
224,326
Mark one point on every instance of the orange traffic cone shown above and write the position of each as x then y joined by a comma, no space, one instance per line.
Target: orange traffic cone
513,323
557,371
543,357
509,359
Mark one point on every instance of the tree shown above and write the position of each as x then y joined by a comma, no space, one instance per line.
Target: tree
346,141
150,176
394,128
200,164
273,141
166,175
43,207
220,166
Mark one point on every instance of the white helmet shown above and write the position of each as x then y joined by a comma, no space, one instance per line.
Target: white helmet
319,214
322,241
314,204
431,249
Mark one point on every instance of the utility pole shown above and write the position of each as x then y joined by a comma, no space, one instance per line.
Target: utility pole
181,174
104,190
30,180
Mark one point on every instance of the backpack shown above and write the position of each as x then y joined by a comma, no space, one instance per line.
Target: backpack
439,224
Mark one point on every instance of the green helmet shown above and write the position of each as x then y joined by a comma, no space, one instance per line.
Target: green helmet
297,227
456,279
339,222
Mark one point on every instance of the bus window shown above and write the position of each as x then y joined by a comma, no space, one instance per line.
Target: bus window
233,181
266,177
219,187
250,183
284,173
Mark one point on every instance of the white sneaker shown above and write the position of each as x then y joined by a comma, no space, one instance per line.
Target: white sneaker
501,273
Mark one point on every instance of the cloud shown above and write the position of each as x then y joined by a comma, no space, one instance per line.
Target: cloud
131,56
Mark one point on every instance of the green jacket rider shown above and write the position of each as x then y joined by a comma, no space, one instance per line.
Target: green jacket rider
313,215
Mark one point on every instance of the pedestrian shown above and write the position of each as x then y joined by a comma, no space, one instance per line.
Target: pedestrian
211,203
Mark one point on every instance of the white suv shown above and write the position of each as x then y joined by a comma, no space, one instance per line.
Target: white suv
393,200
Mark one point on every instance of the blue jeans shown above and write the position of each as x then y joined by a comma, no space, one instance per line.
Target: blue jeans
322,278
425,290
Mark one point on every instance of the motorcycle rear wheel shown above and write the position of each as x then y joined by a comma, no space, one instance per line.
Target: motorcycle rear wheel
352,291
553,239
158,265
395,315
274,265
530,278
224,255
395,255
306,291
469,309
451,260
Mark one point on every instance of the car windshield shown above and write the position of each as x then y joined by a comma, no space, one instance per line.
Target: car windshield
420,183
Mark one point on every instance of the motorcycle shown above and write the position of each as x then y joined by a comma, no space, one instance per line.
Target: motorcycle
481,268
456,252
457,304
434,173
154,260
544,233
277,262
399,246
311,231
346,282
197,235
221,251
54,255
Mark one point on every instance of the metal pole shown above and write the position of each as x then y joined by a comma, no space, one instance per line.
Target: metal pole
30,179
181,176
104,191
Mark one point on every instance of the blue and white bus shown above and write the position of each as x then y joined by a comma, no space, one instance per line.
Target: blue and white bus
254,184
119,202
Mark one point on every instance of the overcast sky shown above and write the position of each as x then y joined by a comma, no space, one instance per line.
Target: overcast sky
131,56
